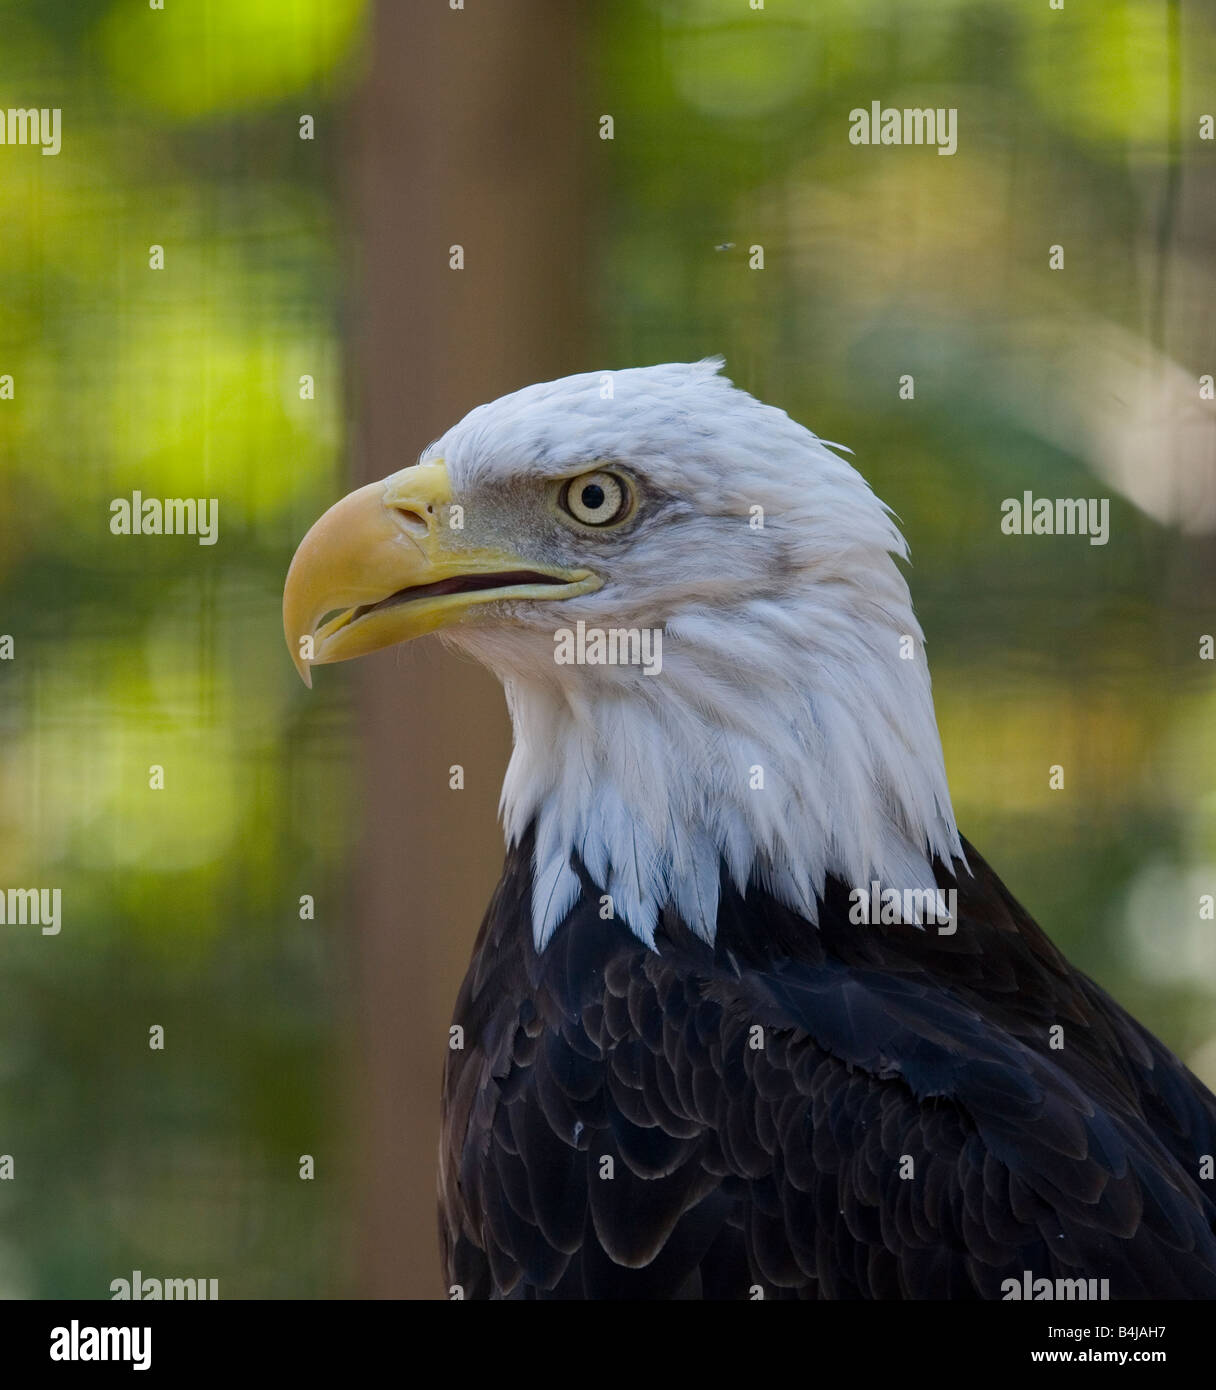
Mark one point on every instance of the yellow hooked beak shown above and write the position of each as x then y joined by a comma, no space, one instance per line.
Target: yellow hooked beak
385,557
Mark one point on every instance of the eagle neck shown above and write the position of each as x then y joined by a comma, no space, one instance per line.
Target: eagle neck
786,765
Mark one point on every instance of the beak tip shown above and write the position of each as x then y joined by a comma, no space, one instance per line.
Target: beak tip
302,664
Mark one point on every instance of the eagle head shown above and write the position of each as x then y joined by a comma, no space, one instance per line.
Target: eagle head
709,653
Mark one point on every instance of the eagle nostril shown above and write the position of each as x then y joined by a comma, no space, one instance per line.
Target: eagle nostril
413,521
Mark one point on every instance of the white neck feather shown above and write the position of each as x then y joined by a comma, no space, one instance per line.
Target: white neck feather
790,742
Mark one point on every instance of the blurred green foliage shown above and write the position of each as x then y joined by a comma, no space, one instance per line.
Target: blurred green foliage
180,127
181,906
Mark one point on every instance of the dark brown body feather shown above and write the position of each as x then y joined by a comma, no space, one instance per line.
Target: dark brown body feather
784,1167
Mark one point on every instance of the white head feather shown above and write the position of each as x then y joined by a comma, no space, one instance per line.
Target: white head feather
785,654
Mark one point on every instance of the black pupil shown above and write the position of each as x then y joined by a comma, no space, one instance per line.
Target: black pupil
593,497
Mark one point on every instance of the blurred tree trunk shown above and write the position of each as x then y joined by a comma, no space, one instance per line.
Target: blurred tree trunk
470,129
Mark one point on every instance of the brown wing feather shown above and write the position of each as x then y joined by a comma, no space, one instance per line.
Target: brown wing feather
830,1112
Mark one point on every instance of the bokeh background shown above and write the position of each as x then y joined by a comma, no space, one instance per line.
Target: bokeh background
329,258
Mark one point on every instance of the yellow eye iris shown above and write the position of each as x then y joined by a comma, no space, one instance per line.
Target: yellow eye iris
596,499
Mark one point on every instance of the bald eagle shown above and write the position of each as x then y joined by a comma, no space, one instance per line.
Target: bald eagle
746,1017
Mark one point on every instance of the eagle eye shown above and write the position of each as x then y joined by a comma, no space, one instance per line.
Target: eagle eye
597,499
